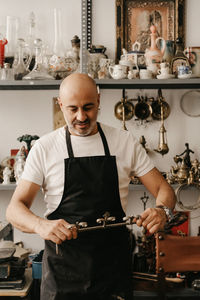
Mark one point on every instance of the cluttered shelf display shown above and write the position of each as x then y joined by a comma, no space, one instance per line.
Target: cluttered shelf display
30,58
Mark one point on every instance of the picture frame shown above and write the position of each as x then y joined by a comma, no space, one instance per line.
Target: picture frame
134,18
58,119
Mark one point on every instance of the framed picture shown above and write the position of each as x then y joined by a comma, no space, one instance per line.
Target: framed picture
134,18
58,119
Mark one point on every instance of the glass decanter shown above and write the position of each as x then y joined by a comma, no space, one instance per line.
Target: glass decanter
40,69
20,66
31,38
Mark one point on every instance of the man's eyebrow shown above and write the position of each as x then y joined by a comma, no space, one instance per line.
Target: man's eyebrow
85,105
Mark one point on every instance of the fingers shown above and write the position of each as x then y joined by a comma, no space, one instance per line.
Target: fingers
65,231
57,230
152,219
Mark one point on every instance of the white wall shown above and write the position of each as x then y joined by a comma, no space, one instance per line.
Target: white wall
30,112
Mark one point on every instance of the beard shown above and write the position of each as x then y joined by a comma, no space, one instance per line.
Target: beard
81,131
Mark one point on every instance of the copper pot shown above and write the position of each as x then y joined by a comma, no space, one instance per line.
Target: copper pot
142,109
156,109
124,110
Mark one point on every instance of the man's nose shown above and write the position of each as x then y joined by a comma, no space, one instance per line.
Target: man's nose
81,115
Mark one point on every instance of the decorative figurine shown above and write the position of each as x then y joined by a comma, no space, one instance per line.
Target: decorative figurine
6,175
19,168
186,157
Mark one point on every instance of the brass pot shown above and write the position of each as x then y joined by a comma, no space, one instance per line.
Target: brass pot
142,109
125,108
156,109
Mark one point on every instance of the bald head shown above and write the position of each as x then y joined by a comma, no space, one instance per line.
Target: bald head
79,102
77,83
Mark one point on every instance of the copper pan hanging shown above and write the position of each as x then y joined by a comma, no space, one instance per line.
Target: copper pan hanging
143,109
124,109
156,107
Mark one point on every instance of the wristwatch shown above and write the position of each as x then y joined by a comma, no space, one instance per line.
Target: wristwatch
167,210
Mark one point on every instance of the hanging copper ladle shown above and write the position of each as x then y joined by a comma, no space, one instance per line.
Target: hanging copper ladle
124,109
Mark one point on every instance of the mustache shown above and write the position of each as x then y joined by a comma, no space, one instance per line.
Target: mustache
77,122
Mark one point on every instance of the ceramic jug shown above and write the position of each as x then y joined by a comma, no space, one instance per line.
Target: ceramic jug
154,55
118,71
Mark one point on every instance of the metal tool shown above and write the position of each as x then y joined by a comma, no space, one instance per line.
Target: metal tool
105,223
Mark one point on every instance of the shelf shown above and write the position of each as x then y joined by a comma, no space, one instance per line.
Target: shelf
29,84
7,187
193,83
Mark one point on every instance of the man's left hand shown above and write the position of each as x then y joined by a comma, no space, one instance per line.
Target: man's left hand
152,219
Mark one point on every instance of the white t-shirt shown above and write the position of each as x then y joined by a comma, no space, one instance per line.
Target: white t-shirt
45,162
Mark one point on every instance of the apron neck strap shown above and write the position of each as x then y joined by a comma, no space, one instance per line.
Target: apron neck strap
69,144
105,144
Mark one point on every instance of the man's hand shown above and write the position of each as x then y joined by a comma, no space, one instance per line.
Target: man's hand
153,219
56,231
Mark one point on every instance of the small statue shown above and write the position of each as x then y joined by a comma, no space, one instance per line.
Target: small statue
186,157
19,168
6,175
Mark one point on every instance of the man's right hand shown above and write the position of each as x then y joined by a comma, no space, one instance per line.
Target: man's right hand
56,231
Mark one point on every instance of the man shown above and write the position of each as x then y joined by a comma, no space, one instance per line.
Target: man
84,169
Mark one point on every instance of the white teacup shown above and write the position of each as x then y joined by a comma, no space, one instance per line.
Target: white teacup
145,74
133,74
164,71
118,71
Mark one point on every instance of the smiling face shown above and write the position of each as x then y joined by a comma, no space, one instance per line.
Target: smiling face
79,102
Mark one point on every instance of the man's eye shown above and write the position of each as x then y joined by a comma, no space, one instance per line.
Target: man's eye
87,108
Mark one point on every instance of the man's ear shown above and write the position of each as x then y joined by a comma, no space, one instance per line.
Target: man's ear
59,102
98,99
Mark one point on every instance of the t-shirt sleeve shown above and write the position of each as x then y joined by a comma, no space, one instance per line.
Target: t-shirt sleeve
34,166
141,163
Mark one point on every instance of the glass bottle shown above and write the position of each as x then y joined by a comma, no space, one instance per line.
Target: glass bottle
19,66
6,72
12,28
57,61
179,58
40,71
31,38
3,42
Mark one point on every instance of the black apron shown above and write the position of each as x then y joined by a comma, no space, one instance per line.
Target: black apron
96,264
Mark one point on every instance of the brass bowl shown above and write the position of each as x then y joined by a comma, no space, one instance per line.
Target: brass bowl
128,108
156,110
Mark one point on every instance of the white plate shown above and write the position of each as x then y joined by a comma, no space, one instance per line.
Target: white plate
165,76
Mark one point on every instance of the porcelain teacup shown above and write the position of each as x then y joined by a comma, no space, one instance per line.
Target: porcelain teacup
145,74
118,71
